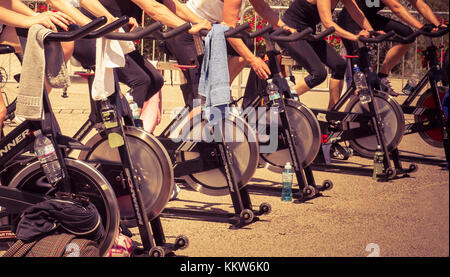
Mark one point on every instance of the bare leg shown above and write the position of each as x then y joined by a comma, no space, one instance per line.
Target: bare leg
301,87
235,66
393,57
335,91
151,112
8,37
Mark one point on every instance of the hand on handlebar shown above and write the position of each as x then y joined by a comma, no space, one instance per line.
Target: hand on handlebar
132,23
204,24
441,26
289,29
52,19
362,33
260,67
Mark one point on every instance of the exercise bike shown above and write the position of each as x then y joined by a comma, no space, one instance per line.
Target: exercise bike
140,171
430,121
23,180
297,132
127,167
377,125
209,160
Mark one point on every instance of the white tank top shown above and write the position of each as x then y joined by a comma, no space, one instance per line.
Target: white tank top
211,10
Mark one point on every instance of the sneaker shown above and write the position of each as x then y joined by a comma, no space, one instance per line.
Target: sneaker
337,151
386,87
176,190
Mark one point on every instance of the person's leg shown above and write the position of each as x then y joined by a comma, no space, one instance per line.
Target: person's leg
142,82
336,64
303,53
182,47
235,62
395,54
145,81
8,36
151,112
235,66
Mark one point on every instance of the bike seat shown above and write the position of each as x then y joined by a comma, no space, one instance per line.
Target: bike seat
6,49
84,75
350,56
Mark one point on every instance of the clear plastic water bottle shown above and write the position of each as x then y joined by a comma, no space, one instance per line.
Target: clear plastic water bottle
46,154
361,85
272,90
378,164
136,112
109,118
292,88
287,177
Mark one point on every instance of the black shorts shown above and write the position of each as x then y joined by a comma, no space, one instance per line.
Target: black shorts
378,22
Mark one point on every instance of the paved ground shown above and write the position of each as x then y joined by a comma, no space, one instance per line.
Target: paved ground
403,217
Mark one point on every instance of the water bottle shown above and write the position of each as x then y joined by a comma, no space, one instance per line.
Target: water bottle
292,88
46,154
361,85
378,163
134,110
109,118
287,177
272,90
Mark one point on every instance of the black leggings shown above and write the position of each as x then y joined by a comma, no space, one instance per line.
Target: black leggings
139,74
378,22
182,47
312,56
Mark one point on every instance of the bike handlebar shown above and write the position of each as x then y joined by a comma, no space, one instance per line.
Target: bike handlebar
171,33
305,34
78,33
108,28
239,31
150,32
378,37
425,31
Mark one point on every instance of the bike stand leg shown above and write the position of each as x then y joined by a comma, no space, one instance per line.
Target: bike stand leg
305,179
158,232
398,166
240,197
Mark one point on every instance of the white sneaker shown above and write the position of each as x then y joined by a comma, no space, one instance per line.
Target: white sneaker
176,190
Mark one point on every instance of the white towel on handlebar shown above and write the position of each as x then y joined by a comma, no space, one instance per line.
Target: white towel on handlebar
109,54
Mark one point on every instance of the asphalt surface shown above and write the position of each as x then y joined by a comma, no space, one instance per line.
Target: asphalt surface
358,217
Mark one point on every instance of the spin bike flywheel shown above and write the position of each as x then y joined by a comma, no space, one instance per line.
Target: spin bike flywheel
243,146
151,162
432,136
85,180
392,123
307,131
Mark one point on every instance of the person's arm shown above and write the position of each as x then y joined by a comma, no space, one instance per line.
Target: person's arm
97,9
324,8
357,15
403,13
65,7
182,11
159,12
163,14
425,11
230,17
26,19
20,7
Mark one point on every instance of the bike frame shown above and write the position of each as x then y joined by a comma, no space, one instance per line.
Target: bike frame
436,117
